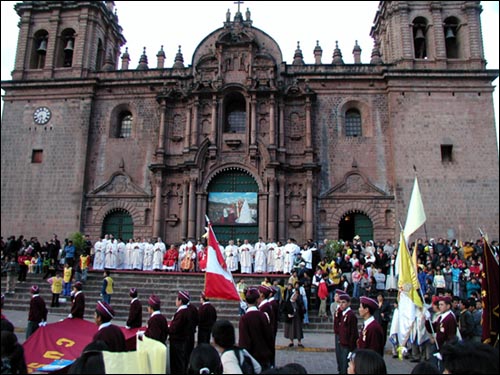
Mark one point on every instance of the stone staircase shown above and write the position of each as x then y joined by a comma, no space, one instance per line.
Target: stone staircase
164,285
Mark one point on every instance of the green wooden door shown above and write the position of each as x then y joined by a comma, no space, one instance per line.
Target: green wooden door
119,224
363,227
224,189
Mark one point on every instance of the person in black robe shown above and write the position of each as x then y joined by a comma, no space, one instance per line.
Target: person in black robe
180,331
77,302
157,323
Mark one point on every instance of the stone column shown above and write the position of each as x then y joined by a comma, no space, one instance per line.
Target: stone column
163,125
157,213
185,206
253,119
194,124
308,123
187,130
281,209
263,218
213,130
192,208
272,208
282,126
272,125
309,207
200,217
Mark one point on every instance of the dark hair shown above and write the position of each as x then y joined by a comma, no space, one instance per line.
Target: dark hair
223,334
425,368
204,359
367,361
91,360
470,358
14,352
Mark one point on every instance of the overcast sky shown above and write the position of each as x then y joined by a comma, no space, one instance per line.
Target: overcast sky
186,23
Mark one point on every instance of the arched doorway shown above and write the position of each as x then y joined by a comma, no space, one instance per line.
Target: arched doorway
118,223
232,206
354,223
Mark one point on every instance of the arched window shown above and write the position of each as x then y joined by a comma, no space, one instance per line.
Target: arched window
353,123
235,113
126,125
65,49
100,56
419,37
40,40
451,37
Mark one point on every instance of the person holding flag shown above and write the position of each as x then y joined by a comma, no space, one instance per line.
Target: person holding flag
219,283
490,320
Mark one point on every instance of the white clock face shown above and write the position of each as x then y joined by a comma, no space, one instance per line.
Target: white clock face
41,115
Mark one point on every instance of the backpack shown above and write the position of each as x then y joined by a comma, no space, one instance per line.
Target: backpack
245,360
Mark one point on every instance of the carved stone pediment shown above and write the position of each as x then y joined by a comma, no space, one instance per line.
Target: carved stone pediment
355,183
119,184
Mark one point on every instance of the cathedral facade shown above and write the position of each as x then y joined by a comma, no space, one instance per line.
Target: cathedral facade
263,148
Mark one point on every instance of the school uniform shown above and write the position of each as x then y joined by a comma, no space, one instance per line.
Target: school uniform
372,336
207,316
135,314
112,335
255,335
157,327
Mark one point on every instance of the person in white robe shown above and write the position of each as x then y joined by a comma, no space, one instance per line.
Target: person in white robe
159,250
271,250
306,254
246,253
98,256
110,254
231,254
148,256
129,252
137,256
120,254
279,256
289,256
260,251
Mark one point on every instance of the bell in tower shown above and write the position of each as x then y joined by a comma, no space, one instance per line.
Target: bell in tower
42,48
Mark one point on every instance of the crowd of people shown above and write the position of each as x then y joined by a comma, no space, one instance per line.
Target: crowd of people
360,272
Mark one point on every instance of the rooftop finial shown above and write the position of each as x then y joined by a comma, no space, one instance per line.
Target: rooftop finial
239,2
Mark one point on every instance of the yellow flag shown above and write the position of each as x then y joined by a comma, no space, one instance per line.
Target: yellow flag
416,214
408,281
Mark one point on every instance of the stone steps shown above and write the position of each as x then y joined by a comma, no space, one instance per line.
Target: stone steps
164,285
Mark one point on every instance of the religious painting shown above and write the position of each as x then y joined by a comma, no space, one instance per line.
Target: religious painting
232,208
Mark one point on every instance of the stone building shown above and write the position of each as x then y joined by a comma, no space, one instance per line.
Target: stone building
264,148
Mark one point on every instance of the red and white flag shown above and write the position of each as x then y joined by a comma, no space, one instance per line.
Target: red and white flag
219,283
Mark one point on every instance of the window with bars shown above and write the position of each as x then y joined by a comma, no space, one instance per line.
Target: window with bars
353,123
126,126
235,114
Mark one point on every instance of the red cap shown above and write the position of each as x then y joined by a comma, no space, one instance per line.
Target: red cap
105,310
154,302
35,289
367,301
344,297
183,295
264,290
133,292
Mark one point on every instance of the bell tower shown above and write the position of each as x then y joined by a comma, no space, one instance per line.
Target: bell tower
65,39
430,34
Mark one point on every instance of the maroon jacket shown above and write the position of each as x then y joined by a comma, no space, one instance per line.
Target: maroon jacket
372,337
157,328
135,314
337,320
207,315
38,310
348,329
256,336
113,337
445,329
78,306
180,328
